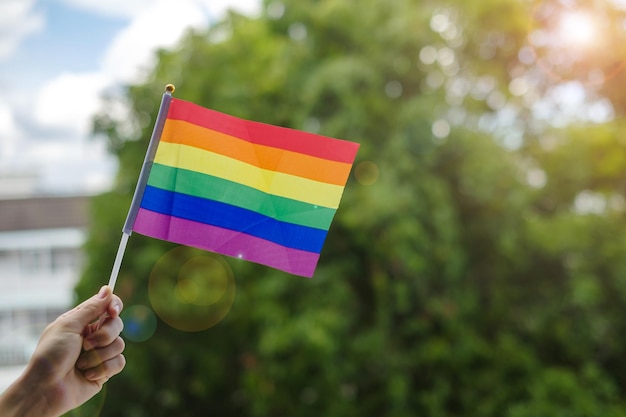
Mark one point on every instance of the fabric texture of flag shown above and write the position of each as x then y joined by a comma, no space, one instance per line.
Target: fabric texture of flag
245,189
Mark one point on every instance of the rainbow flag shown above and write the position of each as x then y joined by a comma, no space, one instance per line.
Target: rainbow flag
245,189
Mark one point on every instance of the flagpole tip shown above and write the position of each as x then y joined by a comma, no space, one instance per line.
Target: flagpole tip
170,88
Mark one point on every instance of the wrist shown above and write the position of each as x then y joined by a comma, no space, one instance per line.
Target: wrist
16,402
24,398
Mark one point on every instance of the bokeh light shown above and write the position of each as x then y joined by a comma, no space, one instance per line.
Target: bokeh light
393,89
191,290
441,130
366,173
139,323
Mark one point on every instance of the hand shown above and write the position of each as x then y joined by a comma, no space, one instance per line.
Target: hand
75,356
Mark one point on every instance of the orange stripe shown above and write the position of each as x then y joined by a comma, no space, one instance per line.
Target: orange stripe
266,157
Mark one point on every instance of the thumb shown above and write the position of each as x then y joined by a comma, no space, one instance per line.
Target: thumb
89,310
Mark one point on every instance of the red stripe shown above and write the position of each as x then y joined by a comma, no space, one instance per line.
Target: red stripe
264,134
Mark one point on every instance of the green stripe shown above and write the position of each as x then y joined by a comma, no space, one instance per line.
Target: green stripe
218,189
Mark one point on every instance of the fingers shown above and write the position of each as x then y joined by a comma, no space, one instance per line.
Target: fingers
102,347
113,310
86,312
115,306
104,335
96,357
106,369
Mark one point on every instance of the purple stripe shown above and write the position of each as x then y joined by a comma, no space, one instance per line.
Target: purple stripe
226,242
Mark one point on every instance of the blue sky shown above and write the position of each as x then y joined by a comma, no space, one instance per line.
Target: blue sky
58,56
72,40
68,40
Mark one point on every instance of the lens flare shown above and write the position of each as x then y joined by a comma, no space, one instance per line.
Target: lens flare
139,323
366,173
191,290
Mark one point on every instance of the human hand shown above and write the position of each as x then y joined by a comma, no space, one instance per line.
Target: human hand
75,356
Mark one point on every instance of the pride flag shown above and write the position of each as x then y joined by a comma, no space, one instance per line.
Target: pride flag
244,189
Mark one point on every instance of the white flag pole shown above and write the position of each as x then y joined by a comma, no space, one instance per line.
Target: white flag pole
141,183
118,260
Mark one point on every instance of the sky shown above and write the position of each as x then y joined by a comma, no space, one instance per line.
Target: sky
56,59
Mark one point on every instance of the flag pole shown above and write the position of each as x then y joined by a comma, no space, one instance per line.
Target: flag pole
141,182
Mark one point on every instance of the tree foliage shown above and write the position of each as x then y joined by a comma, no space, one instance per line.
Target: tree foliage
475,266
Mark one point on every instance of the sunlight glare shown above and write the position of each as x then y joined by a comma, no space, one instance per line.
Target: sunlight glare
577,28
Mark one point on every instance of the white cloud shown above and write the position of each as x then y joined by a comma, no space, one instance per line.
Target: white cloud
160,26
67,166
17,20
69,101
9,132
8,127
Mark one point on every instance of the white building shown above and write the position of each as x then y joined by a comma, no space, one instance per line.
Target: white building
41,239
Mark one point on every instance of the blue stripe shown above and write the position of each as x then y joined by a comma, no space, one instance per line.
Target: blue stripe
223,215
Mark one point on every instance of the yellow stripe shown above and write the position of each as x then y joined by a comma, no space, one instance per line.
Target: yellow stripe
266,157
271,182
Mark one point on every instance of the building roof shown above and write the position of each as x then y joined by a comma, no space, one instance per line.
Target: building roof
44,213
